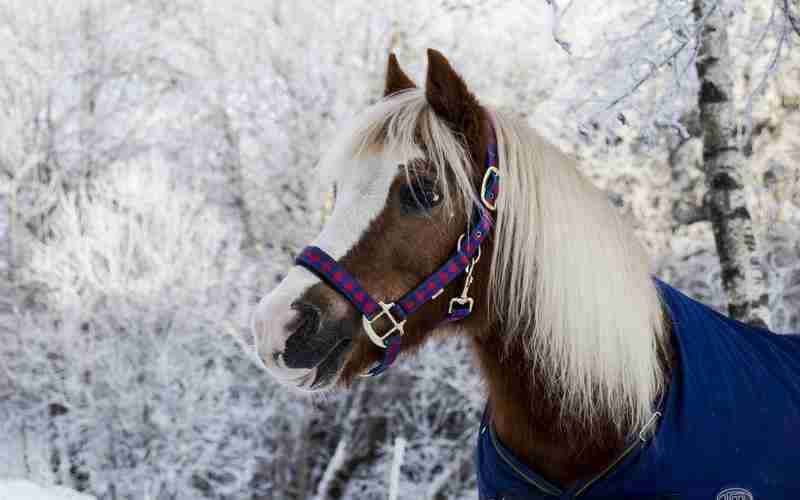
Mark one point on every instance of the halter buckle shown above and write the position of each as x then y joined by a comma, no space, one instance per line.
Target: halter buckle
397,326
462,301
490,204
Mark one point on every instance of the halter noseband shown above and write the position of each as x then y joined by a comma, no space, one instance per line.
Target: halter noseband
463,260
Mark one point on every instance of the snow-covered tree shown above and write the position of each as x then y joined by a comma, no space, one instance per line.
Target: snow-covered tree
724,164
677,76
157,176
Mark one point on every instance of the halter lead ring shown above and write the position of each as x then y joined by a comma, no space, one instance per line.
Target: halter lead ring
462,261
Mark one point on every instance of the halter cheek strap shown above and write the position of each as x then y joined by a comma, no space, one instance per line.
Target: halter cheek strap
462,261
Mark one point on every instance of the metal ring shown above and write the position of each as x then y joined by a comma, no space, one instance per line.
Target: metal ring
490,204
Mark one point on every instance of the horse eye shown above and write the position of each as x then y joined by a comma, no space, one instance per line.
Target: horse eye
419,194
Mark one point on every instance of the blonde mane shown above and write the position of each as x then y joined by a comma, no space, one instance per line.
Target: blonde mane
573,283
568,277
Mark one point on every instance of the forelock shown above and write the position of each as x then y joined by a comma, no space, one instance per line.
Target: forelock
404,126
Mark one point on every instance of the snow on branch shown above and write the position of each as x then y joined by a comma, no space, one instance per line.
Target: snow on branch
644,66
558,14
778,28
792,16
642,70
397,462
336,464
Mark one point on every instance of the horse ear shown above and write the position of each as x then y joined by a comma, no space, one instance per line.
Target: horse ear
396,79
445,91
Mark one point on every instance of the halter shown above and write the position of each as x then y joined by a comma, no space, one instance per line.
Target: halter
463,260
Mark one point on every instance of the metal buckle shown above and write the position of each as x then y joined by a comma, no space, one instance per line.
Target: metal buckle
461,301
464,299
397,326
491,205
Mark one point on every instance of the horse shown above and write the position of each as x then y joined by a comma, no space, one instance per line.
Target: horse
452,217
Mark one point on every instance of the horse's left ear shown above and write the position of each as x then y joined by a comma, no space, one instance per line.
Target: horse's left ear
446,92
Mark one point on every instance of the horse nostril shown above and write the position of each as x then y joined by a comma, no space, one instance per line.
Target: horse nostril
306,346
306,321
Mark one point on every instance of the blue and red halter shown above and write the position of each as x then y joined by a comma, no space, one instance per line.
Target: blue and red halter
462,261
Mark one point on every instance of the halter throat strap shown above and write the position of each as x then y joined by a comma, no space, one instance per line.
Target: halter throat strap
462,261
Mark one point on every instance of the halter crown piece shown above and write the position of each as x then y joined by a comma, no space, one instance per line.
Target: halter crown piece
462,261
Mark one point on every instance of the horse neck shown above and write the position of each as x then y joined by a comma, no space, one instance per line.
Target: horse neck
531,421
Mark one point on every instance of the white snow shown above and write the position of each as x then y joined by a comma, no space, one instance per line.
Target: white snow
20,489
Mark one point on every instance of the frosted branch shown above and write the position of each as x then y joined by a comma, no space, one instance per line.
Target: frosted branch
558,14
791,17
781,28
440,482
397,462
336,464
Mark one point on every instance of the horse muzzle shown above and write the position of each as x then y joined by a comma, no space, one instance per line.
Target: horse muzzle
300,344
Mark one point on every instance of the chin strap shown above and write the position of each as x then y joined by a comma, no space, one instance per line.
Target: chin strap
391,316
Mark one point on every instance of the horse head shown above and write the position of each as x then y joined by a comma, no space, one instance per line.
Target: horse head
401,237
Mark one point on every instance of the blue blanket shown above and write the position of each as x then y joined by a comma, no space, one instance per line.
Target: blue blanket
730,428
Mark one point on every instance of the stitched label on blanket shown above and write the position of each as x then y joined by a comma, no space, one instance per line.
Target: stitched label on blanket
735,494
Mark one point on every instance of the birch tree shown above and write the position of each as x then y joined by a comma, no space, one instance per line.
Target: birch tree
677,69
724,164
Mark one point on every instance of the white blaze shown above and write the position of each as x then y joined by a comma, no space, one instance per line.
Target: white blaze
362,191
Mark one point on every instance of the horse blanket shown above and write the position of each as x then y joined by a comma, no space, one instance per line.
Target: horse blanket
729,426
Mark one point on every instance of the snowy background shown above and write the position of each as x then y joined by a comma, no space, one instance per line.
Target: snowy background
156,178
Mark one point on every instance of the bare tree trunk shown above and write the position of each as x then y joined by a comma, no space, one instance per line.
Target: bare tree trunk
724,165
